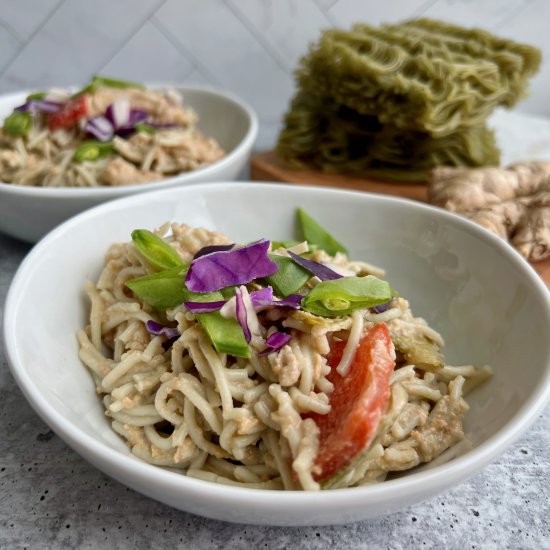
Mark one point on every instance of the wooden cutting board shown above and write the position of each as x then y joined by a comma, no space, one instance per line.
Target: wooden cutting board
267,167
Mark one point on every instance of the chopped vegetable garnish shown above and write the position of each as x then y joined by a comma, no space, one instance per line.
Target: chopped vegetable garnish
382,307
69,114
289,278
228,268
225,333
34,106
100,128
241,314
18,123
162,290
345,295
157,251
36,95
315,234
144,127
275,342
204,307
283,244
157,329
98,81
315,268
264,298
118,113
357,403
213,248
92,150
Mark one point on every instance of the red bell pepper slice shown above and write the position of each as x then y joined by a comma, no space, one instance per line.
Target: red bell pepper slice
358,402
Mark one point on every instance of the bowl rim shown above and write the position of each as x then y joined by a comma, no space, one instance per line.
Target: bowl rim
245,144
424,482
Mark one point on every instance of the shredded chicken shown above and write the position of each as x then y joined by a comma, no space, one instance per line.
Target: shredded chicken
165,110
121,172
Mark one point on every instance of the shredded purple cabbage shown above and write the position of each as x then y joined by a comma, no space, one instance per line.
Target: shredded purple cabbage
136,117
118,114
382,307
264,298
319,270
203,307
100,128
156,329
234,267
213,248
40,105
275,342
241,314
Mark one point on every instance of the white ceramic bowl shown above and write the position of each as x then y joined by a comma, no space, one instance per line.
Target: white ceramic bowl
30,212
474,288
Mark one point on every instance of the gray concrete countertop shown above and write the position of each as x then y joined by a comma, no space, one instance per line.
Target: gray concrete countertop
51,498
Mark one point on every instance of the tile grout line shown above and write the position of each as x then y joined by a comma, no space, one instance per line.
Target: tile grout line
11,31
131,34
326,8
423,8
507,19
259,39
184,51
31,38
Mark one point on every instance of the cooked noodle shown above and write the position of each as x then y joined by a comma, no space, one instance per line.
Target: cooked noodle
46,158
239,421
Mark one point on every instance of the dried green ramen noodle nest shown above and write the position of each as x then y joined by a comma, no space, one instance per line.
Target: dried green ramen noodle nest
402,99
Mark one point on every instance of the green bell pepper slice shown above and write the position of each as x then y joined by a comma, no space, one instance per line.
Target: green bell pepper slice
91,150
18,123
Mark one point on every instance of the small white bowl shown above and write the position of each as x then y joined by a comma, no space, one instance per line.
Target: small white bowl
468,284
28,212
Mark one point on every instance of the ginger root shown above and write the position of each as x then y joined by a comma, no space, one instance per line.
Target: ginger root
512,202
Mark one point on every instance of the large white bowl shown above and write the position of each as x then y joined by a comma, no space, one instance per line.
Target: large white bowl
30,212
474,288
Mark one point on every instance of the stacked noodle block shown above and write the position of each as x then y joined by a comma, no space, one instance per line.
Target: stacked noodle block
401,99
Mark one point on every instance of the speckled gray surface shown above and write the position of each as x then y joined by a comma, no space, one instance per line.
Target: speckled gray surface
51,498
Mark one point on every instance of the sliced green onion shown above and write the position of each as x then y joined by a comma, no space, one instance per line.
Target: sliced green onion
18,123
159,253
314,234
341,297
225,333
98,81
290,277
93,150
147,128
36,95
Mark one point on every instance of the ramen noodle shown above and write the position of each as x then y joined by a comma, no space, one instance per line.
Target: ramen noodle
110,133
250,421
396,100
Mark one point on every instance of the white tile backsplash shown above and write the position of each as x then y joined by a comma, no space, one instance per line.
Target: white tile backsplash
149,55
249,47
